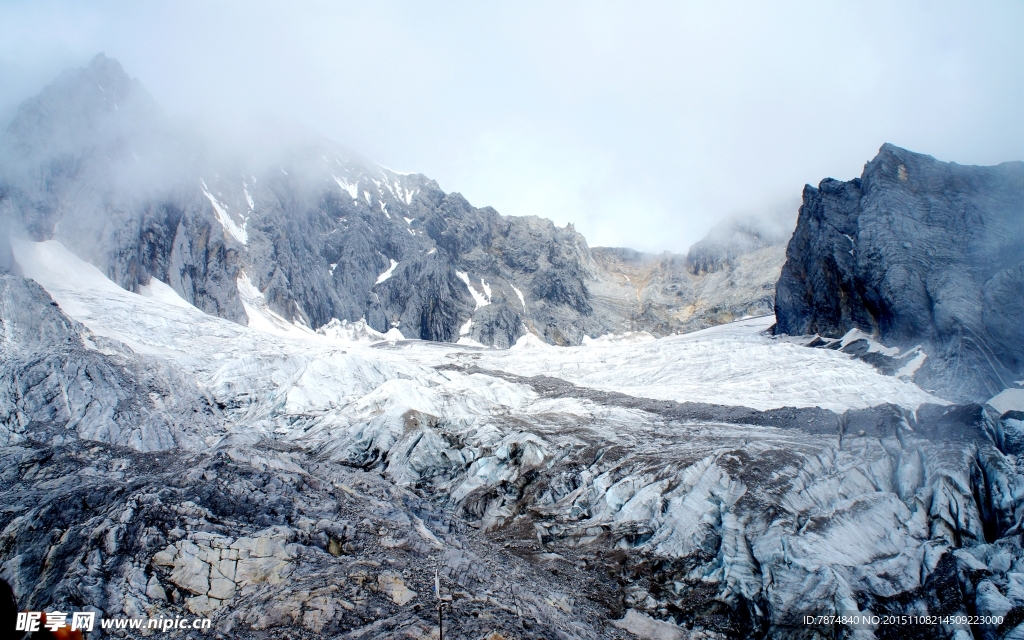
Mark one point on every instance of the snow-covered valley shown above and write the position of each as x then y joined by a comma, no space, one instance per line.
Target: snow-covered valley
723,482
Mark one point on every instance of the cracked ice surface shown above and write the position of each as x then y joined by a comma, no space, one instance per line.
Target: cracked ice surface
778,516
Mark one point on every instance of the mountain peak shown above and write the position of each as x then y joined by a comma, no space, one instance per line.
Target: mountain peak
76,106
103,68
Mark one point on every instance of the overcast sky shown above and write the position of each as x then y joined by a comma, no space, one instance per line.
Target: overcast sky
643,123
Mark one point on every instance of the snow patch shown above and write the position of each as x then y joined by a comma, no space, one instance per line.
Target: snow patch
238,232
397,190
248,198
397,173
874,346
608,339
465,329
644,626
162,292
908,370
350,332
1008,400
530,341
480,299
352,189
519,293
387,274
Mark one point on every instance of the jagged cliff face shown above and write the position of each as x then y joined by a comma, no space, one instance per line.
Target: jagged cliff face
917,252
323,234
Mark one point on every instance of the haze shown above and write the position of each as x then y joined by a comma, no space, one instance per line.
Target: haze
643,124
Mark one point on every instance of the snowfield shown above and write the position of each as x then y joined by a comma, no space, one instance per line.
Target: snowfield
734,364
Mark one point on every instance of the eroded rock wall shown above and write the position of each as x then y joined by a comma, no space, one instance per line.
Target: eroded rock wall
916,252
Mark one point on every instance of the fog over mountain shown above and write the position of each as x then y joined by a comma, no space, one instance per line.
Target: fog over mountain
644,126
318,233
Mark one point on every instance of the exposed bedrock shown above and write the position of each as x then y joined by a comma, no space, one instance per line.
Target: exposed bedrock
916,252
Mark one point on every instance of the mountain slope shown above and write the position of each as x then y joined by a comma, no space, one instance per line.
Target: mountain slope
319,232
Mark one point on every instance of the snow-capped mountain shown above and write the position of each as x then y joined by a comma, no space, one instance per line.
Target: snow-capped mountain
257,392
322,234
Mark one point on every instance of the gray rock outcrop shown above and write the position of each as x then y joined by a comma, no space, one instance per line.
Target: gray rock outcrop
729,274
916,252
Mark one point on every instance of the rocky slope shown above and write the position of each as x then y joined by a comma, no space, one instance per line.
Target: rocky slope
728,275
718,484
324,234
919,253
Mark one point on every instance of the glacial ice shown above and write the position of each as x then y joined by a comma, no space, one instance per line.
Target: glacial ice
1008,400
773,515
519,293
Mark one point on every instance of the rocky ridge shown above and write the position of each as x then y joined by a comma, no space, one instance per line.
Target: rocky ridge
323,234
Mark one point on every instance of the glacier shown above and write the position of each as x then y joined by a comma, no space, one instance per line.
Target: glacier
721,483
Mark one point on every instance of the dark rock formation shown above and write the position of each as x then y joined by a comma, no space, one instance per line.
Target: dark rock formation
917,252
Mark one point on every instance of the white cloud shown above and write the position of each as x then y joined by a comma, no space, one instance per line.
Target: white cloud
641,122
